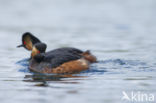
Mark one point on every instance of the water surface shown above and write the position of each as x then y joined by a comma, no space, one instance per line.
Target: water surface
121,33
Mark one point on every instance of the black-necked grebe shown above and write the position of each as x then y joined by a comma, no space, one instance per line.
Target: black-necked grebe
59,61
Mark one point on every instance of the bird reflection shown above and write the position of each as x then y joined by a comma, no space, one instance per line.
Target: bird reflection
42,80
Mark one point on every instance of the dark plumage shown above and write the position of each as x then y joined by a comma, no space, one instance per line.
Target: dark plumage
41,47
58,56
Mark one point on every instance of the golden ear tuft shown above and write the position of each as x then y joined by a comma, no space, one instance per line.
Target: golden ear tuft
34,52
28,42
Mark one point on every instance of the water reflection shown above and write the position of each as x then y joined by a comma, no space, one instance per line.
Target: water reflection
43,79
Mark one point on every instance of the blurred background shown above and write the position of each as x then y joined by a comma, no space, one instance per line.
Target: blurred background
121,33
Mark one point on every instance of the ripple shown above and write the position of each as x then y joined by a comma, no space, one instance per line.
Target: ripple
23,62
123,62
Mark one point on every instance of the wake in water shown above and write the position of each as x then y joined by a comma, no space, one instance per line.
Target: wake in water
24,63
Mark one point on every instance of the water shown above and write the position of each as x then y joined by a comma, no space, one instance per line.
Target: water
121,33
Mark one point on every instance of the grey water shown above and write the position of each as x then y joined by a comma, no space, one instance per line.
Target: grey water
121,33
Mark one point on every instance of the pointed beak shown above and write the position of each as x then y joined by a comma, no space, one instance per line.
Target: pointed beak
20,46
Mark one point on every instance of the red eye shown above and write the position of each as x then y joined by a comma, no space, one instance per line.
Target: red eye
24,43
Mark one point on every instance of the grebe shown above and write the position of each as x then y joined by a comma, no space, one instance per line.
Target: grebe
65,60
